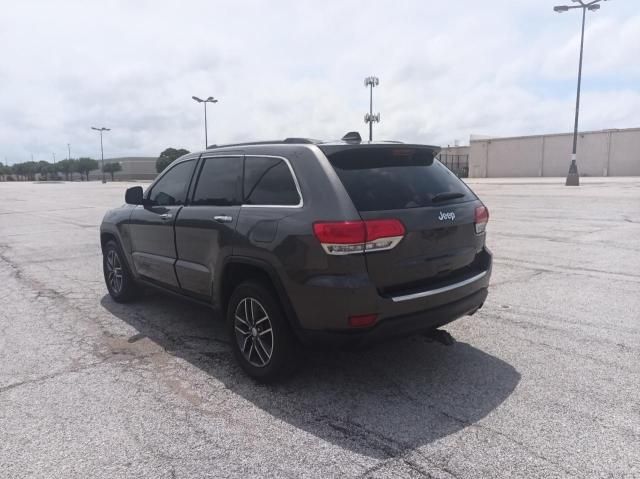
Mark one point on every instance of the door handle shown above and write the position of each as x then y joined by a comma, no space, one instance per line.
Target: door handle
165,216
223,219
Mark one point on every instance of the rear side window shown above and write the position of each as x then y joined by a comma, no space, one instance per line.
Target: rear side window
219,182
268,181
380,179
171,189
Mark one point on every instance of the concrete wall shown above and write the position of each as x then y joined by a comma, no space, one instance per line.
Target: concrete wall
133,168
600,153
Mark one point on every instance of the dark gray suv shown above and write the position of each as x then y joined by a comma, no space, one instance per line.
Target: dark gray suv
301,242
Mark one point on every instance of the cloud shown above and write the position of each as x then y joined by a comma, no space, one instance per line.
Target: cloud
296,69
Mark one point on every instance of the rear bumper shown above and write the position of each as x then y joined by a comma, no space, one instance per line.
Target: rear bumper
397,326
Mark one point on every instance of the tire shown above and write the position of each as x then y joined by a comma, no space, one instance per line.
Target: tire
261,338
117,276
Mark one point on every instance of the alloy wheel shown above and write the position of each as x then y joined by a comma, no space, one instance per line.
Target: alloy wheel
114,271
254,333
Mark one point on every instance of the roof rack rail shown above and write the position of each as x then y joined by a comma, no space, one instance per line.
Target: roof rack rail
306,141
293,140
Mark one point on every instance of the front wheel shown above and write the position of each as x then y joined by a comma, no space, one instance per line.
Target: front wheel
120,283
261,339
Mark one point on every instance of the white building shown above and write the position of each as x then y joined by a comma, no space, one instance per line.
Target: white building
600,153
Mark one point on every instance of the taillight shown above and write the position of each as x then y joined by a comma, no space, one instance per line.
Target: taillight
349,237
481,219
345,232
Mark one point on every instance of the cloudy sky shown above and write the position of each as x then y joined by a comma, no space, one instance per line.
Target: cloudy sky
447,69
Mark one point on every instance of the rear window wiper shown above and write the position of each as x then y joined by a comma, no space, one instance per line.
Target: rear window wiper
447,195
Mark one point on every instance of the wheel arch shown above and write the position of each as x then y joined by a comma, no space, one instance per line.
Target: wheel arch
105,237
237,269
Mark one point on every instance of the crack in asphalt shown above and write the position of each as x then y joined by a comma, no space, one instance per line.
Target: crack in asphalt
466,423
64,372
394,449
566,269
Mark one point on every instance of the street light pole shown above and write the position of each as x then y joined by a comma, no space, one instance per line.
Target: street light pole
69,149
104,178
370,117
573,177
208,100
206,139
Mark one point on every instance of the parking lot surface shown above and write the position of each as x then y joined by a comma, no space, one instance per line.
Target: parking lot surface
544,381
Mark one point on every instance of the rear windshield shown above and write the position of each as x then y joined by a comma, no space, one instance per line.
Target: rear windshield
396,178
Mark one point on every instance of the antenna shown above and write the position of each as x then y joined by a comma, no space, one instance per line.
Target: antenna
352,137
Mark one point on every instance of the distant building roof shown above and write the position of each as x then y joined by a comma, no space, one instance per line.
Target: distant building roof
131,158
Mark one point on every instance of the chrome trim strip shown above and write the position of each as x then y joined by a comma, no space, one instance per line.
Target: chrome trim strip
444,289
394,242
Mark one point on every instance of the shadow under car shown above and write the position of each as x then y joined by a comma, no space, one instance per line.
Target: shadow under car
378,402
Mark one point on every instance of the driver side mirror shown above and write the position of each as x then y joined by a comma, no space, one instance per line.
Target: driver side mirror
134,196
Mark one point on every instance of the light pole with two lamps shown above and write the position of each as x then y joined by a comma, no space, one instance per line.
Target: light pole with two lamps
208,100
104,178
573,177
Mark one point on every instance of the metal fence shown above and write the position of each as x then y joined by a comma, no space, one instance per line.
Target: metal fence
458,164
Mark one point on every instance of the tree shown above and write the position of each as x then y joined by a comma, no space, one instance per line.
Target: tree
112,168
30,168
67,167
85,165
53,170
5,171
43,168
18,170
167,157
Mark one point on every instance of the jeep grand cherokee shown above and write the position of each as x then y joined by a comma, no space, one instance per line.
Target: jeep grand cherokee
302,242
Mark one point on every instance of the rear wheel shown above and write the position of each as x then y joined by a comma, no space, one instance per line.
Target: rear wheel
261,339
119,281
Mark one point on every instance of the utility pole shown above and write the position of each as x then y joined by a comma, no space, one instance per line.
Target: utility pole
370,117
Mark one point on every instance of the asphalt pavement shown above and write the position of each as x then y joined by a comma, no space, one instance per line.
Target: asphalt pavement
544,381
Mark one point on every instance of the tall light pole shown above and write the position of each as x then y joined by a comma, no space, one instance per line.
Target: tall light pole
370,117
104,178
573,177
208,100
69,149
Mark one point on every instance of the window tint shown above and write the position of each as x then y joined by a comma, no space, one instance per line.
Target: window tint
396,178
219,182
171,189
268,181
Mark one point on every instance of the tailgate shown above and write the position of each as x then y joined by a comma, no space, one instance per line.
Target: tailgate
437,210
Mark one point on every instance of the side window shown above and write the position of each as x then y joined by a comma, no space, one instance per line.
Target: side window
171,189
219,182
268,181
